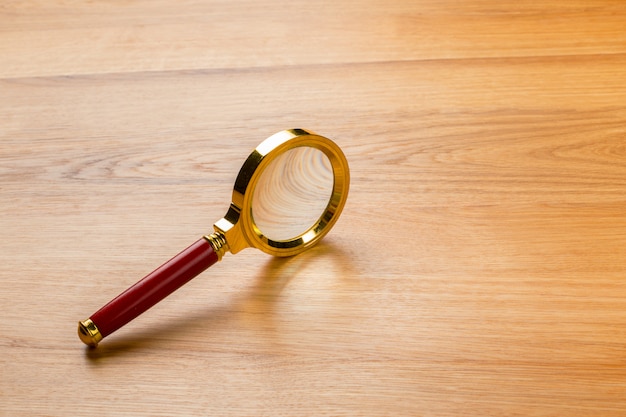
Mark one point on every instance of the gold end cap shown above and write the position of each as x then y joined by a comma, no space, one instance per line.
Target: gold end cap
88,333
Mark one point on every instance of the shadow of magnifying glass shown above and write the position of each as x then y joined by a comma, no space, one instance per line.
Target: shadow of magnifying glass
279,272
255,309
269,304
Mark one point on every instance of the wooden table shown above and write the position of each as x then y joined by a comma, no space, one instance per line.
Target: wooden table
478,267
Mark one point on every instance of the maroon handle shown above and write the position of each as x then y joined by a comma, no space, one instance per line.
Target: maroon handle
154,287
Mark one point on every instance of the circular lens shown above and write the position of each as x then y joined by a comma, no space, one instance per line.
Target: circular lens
292,193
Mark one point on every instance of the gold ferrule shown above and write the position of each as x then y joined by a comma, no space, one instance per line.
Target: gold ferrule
218,241
88,333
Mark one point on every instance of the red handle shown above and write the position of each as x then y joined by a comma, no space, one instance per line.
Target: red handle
151,289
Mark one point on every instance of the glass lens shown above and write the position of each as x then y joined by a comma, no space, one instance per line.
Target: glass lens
292,193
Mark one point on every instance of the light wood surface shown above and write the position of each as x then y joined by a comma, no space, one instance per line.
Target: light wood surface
478,267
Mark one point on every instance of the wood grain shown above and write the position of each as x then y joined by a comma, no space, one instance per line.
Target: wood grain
478,267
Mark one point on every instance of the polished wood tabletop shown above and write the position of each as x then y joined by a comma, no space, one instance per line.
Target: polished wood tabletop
478,267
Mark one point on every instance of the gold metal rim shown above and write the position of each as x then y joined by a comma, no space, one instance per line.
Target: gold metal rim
238,224
89,333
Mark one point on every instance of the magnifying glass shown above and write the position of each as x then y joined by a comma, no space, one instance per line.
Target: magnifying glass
287,196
